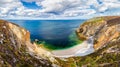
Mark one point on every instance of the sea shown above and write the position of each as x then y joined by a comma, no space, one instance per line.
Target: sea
56,34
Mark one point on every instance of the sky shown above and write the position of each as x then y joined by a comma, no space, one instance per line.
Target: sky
58,9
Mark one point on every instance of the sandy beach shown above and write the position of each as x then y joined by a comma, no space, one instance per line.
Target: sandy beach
82,49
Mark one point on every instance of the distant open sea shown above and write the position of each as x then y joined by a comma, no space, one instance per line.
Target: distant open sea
54,32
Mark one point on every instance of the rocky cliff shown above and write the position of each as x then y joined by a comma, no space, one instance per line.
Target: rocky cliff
16,49
103,29
106,33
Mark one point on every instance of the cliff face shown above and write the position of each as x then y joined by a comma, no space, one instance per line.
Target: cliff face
104,30
16,49
106,34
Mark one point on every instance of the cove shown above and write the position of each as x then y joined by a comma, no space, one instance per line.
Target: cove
55,34
81,49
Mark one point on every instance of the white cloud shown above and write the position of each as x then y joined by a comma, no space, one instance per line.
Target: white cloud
108,5
79,12
9,6
6,1
58,5
57,8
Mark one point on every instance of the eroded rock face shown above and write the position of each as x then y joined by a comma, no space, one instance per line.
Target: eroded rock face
104,29
15,48
106,32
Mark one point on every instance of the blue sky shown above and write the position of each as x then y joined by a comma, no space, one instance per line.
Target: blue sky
58,9
30,5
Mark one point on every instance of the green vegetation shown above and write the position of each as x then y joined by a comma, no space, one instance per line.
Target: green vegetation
93,21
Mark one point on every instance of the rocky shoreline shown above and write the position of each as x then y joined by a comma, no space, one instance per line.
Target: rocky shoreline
104,29
16,50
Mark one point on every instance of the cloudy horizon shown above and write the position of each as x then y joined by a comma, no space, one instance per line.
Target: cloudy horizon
57,9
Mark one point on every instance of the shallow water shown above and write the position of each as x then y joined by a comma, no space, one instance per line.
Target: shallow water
55,33
82,49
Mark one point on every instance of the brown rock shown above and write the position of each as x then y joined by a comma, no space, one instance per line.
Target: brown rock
14,44
104,29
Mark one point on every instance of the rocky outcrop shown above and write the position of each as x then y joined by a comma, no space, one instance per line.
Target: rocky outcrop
106,34
16,49
104,29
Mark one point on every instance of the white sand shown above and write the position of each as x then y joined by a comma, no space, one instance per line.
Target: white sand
79,50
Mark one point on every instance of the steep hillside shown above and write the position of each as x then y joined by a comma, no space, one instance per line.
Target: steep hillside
106,34
16,49
104,30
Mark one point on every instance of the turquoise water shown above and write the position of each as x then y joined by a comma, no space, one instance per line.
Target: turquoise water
55,33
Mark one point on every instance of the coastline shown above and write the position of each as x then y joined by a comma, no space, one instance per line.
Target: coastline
82,49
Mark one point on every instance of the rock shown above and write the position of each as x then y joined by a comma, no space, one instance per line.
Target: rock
106,33
104,29
16,50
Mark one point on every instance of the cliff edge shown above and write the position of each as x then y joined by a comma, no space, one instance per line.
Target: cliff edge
16,49
106,35
103,29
